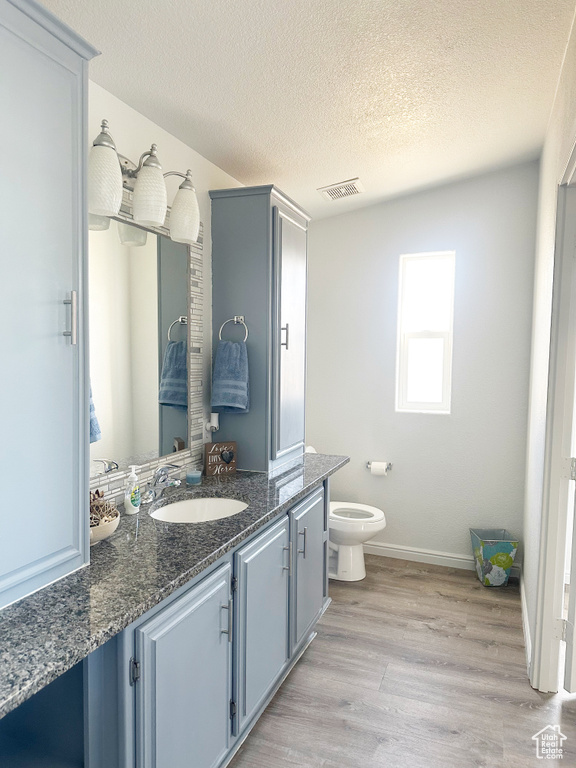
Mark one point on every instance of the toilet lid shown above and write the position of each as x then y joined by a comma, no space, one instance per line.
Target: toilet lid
351,511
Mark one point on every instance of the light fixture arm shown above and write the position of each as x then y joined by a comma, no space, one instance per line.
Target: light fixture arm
152,161
187,183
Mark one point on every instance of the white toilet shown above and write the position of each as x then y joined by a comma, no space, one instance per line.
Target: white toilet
350,525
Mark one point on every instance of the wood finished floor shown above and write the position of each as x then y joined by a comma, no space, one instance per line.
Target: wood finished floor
417,666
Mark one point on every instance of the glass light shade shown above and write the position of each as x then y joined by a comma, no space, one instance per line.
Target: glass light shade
150,199
98,223
185,217
133,236
104,181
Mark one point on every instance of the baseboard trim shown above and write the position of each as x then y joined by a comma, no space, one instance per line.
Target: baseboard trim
432,556
526,627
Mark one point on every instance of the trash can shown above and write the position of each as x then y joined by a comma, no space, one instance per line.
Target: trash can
494,551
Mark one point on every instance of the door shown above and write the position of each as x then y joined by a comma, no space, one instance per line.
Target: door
289,352
564,437
263,572
559,488
43,398
183,695
308,554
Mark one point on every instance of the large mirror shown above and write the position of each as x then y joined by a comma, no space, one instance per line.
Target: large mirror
139,303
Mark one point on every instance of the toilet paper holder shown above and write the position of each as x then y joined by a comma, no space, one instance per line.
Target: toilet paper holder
388,466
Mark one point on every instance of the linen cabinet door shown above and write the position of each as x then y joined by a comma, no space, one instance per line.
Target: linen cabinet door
289,354
263,573
43,395
308,545
183,694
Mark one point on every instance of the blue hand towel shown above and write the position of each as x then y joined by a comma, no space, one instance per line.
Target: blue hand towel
230,384
95,433
174,377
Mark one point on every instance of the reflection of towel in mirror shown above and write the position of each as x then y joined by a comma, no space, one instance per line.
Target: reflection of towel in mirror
95,433
174,378
230,386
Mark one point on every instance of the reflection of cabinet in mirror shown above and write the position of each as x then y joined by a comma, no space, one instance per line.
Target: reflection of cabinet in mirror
136,292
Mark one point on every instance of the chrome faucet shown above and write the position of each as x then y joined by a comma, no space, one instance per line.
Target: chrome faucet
109,465
160,481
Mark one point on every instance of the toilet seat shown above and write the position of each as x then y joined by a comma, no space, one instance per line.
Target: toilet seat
346,512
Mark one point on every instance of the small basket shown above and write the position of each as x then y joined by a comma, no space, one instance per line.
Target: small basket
494,552
104,517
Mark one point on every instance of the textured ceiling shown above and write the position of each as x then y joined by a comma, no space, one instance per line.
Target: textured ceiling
305,93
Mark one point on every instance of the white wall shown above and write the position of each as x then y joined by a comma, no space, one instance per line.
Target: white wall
133,134
144,347
110,365
450,472
560,140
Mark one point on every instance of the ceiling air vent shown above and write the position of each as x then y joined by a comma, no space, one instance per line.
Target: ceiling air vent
342,189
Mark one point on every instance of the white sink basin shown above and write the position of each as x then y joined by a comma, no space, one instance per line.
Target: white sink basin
198,510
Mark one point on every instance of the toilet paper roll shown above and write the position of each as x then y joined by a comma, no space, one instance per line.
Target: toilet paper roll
379,467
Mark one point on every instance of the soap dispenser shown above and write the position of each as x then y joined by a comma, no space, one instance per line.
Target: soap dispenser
132,498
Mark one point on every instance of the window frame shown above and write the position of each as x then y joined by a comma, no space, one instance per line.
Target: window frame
403,405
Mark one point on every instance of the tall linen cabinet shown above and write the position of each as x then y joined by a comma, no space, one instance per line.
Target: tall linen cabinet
259,238
43,387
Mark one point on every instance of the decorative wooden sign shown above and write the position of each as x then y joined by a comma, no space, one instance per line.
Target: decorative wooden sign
220,459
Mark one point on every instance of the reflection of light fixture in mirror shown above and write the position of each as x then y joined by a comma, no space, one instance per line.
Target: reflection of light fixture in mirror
150,199
104,175
98,223
184,214
132,236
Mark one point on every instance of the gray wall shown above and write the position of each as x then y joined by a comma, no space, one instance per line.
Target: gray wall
450,472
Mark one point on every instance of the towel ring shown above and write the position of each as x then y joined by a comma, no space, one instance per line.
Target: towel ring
237,320
182,320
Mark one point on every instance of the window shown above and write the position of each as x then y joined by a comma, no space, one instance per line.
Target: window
425,315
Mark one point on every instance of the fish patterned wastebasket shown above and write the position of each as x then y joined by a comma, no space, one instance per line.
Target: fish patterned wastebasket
494,552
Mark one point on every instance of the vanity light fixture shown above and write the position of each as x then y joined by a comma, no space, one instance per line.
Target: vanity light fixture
131,236
98,223
150,200
184,214
104,175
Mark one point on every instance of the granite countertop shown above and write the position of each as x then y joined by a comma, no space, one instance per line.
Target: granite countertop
46,633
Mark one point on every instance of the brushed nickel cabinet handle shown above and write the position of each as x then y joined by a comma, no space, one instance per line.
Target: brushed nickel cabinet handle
303,550
73,332
287,329
289,566
229,630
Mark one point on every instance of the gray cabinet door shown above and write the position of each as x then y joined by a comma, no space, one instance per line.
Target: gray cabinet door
289,336
43,395
308,545
263,573
183,696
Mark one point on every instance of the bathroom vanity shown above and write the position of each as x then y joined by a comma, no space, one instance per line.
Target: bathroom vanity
186,630
166,648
